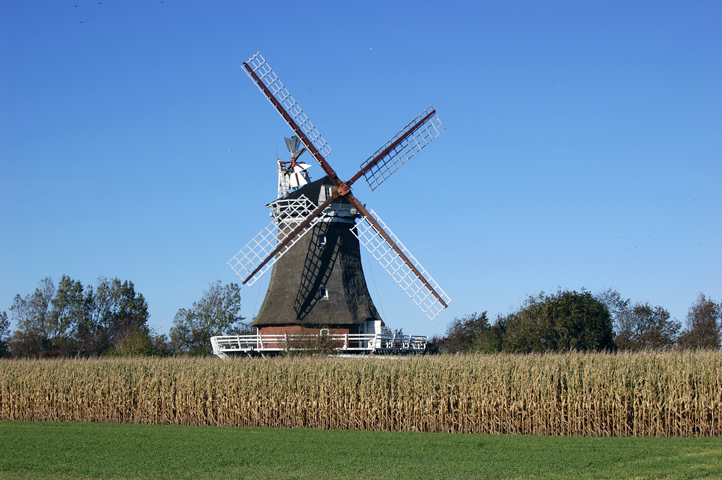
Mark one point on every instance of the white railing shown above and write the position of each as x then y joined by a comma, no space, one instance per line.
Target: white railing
348,342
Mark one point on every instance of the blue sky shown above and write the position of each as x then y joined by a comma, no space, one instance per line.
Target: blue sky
583,144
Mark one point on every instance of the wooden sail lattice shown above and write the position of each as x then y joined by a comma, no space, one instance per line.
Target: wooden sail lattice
288,214
425,131
398,269
269,78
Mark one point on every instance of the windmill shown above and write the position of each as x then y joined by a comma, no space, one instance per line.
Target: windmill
313,241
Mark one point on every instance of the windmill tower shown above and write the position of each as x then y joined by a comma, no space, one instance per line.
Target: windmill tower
313,241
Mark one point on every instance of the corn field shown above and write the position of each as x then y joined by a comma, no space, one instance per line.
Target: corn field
643,394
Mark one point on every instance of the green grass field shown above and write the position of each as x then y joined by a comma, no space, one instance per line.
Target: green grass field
96,450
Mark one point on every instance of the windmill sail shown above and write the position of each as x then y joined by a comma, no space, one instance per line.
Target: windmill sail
288,214
269,83
397,151
420,290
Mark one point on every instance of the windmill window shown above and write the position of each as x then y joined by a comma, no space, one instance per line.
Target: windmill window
327,192
322,240
323,293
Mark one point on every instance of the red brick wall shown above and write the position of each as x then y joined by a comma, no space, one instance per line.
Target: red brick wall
295,330
299,330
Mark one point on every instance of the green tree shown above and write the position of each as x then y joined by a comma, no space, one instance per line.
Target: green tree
493,339
645,327
639,326
558,323
67,310
118,318
615,303
70,320
90,338
472,333
128,313
137,342
4,334
216,313
704,326
33,336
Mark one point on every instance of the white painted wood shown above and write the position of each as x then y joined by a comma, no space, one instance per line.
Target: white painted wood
349,342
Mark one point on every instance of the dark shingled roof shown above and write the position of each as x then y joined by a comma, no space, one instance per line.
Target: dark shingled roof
293,296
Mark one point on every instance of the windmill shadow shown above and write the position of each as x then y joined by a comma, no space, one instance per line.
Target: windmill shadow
320,260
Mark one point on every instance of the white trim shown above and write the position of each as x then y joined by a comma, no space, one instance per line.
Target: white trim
347,342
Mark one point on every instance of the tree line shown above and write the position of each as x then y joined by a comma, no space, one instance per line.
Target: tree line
579,321
111,319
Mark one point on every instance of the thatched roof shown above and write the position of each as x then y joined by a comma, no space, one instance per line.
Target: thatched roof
297,278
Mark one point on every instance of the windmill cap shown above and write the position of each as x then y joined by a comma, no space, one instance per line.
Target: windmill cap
312,191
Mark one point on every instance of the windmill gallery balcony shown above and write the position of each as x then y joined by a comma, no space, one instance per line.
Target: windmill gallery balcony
339,343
